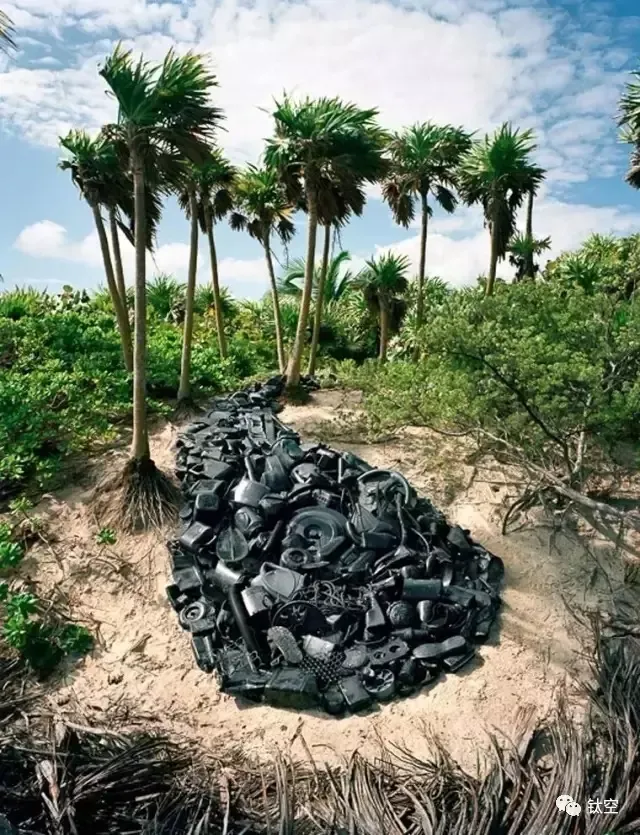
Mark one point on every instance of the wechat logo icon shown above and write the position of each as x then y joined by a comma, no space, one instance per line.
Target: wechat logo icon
568,805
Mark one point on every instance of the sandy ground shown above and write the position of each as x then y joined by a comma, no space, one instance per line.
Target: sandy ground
142,672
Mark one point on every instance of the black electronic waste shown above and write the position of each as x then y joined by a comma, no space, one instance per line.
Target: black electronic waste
307,578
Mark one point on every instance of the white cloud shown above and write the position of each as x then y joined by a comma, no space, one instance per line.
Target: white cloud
471,62
46,239
460,260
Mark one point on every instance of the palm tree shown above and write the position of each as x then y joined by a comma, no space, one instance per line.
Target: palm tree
346,198
264,210
165,295
213,180
384,281
204,195
522,251
424,161
317,141
164,115
91,163
498,173
189,196
6,33
629,121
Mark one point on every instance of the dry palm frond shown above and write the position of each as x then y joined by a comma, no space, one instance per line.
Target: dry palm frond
77,781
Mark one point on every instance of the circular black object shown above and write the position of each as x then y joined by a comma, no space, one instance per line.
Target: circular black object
295,558
318,527
300,617
381,684
192,612
401,614
232,546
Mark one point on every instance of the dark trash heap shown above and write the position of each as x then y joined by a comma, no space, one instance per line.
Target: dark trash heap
306,577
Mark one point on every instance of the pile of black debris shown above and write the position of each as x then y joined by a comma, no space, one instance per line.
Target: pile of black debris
308,578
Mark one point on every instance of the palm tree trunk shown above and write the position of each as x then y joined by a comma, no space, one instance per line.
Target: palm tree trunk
529,234
491,280
315,339
140,443
423,260
277,318
421,270
384,331
120,310
117,257
184,389
295,358
222,342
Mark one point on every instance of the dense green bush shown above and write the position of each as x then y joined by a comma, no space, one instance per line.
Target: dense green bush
540,364
63,386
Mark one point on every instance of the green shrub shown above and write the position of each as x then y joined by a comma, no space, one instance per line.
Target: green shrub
27,626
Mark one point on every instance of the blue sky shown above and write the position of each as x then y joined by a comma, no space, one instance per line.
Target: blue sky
555,66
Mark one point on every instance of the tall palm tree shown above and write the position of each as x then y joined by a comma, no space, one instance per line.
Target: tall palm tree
189,195
317,141
424,161
346,198
214,179
384,281
164,114
6,33
91,162
264,210
498,173
205,196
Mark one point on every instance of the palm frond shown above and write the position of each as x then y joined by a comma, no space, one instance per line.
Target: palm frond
163,107
263,205
498,173
329,148
423,161
7,31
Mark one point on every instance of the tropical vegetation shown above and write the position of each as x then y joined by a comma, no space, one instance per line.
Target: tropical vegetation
65,392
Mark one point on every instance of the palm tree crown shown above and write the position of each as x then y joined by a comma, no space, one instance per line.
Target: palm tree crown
262,205
385,278
322,141
164,113
335,284
324,150
423,162
383,282
96,170
629,121
213,178
498,173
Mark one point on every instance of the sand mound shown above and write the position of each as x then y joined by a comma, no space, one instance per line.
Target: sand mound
141,673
